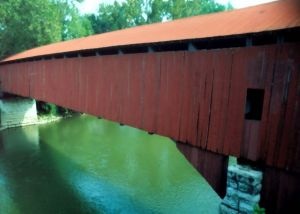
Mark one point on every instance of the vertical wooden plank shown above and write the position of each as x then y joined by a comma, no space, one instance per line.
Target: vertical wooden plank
256,78
151,91
116,85
293,155
25,77
2,71
109,88
66,83
289,98
192,97
32,80
135,89
186,115
58,96
38,78
277,108
219,102
172,66
22,80
122,89
38,93
71,82
50,80
126,69
5,84
9,78
163,95
12,79
204,90
127,106
58,83
89,63
99,77
5,78
81,85
251,140
16,79
112,73
236,106
269,67
45,80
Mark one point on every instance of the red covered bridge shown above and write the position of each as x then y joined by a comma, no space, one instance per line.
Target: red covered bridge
225,84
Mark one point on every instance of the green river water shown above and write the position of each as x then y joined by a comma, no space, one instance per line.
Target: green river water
87,165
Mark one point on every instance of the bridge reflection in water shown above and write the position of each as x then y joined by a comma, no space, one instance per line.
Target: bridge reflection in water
87,165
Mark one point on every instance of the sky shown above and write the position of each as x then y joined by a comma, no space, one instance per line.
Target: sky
91,6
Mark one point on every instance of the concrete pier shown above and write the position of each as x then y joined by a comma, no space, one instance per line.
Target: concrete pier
16,111
243,190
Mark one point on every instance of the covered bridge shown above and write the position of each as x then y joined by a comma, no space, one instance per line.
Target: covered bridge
224,84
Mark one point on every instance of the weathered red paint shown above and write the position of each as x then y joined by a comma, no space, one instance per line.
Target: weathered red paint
193,97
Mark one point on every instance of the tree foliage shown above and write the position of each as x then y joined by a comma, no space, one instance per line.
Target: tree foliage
30,23
21,30
184,8
73,24
138,12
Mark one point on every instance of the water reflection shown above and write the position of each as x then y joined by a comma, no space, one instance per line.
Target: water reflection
87,165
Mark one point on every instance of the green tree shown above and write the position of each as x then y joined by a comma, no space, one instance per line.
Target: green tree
138,12
127,14
185,8
153,10
73,24
26,24
110,17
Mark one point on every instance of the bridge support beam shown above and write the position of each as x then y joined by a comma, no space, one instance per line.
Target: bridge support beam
244,184
17,111
280,190
212,166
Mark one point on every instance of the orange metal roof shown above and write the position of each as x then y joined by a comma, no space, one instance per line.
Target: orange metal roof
277,15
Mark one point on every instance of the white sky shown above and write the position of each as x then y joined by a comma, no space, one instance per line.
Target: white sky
91,6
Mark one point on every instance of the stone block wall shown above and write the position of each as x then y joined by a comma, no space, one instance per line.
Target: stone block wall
243,190
17,112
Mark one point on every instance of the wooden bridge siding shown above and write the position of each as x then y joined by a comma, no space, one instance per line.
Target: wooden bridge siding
212,166
281,124
195,97
280,191
258,69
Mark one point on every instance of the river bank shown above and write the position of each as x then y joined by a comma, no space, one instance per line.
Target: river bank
42,119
